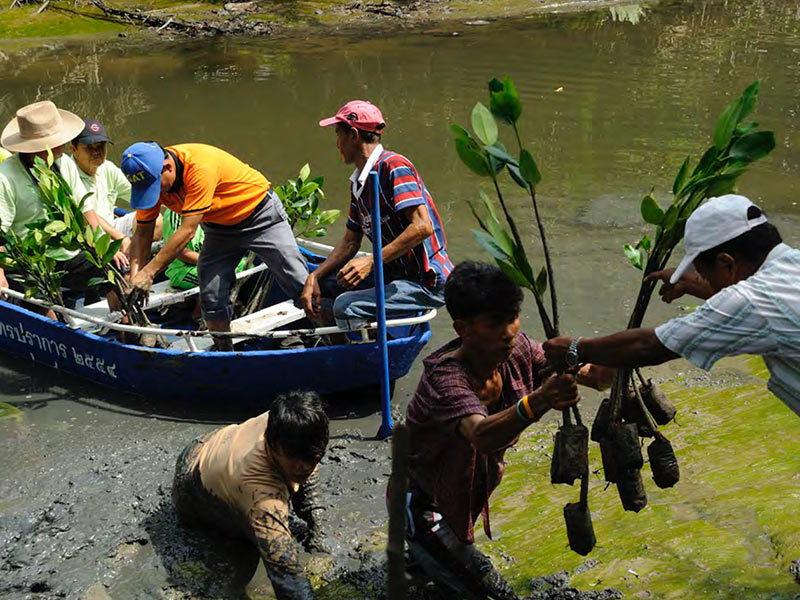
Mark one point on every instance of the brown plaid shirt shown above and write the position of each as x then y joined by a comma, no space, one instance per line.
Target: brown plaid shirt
442,463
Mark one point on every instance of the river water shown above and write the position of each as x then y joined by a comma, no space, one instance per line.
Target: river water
613,102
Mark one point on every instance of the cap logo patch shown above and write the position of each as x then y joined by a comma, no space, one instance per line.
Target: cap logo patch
136,177
352,116
94,127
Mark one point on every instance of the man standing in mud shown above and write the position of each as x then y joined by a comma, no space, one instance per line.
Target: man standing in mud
414,245
240,480
477,394
750,279
235,206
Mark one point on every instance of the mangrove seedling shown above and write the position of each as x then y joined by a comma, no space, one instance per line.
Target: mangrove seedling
486,156
70,232
736,145
656,401
301,199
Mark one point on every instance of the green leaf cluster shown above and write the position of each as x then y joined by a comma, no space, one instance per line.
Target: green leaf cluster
736,145
63,233
301,199
485,155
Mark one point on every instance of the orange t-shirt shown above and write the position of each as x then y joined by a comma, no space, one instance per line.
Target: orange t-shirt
215,184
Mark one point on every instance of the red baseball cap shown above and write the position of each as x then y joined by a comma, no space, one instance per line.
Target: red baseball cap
359,114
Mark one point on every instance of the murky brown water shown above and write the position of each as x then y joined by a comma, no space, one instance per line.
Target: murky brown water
614,100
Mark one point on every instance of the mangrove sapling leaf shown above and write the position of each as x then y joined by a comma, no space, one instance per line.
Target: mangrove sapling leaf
55,227
504,101
460,132
513,171
305,171
651,211
58,254
528,169
752,146
706,162
95,281
630,488
541,281
488,243
498,151
509,269
470,154
680,178
483,124
636,256
745,128
663,463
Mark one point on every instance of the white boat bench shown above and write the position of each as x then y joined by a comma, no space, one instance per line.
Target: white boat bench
259,322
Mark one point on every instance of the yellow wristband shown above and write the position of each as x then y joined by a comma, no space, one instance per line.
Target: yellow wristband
527,407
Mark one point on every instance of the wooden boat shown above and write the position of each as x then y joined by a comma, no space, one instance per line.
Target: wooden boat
87,346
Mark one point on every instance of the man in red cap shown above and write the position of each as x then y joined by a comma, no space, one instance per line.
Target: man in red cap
414,244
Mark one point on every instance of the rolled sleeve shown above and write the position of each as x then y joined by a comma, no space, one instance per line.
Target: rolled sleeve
727,324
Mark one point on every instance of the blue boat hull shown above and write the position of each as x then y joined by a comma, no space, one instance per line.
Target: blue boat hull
244,377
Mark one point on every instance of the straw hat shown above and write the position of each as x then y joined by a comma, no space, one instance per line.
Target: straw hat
40,126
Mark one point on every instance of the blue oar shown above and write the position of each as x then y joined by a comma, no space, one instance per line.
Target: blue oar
380,301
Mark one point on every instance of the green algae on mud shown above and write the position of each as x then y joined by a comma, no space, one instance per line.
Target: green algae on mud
9,411
726,530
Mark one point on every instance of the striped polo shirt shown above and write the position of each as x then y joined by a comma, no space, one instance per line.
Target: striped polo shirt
758,315
401,187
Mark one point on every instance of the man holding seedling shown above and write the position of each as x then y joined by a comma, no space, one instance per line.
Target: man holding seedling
237,209
750,279
477,394
414,244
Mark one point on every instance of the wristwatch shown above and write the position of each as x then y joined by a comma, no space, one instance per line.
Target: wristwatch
572,359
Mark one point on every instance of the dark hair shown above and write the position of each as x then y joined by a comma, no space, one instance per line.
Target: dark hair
368,137
752,246
298,426
476,288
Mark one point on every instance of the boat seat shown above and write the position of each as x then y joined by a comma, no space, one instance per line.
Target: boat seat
159,293
259,322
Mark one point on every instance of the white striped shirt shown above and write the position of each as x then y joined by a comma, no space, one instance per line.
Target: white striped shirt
758,315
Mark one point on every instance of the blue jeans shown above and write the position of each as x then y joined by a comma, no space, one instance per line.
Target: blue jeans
404,298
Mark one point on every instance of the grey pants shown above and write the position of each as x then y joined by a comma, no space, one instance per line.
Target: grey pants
267,233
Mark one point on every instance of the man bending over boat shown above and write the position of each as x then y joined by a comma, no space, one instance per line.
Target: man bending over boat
236,208
35,129
414,244
477,394
240,480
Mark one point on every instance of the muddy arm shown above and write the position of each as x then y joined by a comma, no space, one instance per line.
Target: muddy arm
270,521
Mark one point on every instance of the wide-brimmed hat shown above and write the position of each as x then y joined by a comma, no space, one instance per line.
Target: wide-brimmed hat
40,126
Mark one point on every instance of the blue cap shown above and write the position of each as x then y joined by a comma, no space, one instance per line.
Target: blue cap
142,164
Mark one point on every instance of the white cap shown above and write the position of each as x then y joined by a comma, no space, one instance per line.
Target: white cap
717,221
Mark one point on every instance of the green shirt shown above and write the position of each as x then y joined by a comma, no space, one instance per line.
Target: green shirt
20,201
109,185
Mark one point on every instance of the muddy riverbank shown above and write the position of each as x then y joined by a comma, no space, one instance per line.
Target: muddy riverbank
86,511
